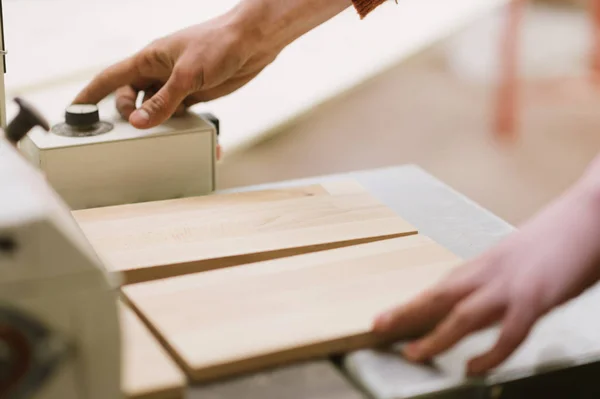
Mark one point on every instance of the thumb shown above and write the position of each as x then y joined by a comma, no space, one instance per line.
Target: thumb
162,105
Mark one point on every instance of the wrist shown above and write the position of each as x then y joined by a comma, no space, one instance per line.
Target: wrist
582,211
588,185
270,25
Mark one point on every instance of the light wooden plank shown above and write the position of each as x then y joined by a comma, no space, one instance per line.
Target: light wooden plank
241,319
163,239
148,370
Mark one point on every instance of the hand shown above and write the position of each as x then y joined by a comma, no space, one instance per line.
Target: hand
555,257
206,61
197,64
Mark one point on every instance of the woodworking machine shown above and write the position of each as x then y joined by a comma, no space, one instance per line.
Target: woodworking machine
92,157
60,335
59,327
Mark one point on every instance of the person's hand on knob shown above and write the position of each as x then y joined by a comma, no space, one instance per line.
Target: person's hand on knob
206,61
552,259
196,64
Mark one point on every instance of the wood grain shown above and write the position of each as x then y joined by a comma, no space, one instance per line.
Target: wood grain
148,370
245,318
162,239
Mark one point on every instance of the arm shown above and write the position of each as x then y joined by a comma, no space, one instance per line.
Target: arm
277,23
280,22
210,60
553,258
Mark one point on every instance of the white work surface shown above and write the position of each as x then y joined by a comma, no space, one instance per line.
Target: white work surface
58,42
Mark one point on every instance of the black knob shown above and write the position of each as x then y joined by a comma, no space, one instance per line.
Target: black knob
82,115
27,118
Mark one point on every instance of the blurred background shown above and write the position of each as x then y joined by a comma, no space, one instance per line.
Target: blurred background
437,109
416,82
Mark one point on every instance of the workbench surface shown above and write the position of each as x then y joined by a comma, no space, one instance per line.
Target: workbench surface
565,338
438,212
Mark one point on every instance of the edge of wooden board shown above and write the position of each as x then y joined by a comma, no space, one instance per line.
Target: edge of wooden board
282,358
309,351
132,325
386,225
220,199
155,273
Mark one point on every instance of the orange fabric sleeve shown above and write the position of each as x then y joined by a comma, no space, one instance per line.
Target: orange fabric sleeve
364,7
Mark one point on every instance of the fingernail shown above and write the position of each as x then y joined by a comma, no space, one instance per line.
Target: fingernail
140,117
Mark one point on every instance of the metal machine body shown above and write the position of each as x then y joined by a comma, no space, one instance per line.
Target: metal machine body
59,326
106,161
60,332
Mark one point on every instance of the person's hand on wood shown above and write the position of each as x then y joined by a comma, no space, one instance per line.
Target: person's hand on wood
206,61
552,259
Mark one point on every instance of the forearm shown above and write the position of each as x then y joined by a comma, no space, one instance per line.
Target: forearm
576,214
586,197
589,182
578,210
276,23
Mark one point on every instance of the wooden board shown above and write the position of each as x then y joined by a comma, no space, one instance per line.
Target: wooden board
163,239
245,318
148,370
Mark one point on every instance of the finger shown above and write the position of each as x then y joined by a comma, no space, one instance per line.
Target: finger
108,81
517,324
423,312
126,97
148,93
162,105
143,84
477,311
477,271
181,110
125,101
219,91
